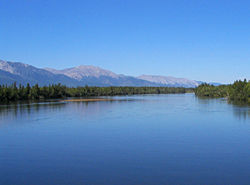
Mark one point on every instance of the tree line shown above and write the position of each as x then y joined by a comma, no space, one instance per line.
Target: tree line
239,91
21,92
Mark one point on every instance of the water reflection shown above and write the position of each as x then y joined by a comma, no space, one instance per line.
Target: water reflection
25,110
239,110
206,100
90,109
17,111
38,110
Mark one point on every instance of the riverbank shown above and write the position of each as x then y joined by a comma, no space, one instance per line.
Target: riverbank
87,100
238,92
13,93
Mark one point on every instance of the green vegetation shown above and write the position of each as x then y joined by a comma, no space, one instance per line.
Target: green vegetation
239,91
14,93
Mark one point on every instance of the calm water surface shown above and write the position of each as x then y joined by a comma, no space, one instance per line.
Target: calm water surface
152,139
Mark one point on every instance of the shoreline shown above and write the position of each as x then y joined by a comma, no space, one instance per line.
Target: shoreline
87,100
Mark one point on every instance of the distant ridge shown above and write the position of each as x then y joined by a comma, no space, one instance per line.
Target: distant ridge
82,75
169,80
83,71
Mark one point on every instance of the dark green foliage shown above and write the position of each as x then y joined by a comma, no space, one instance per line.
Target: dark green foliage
14,93
239,91
207,90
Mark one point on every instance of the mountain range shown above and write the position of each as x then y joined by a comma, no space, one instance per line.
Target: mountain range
21,73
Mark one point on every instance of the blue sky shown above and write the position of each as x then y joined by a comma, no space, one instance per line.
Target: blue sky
196,39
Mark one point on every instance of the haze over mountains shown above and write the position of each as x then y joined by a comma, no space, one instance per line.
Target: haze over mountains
82,75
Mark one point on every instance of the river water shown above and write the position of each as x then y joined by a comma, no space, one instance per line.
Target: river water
151,139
